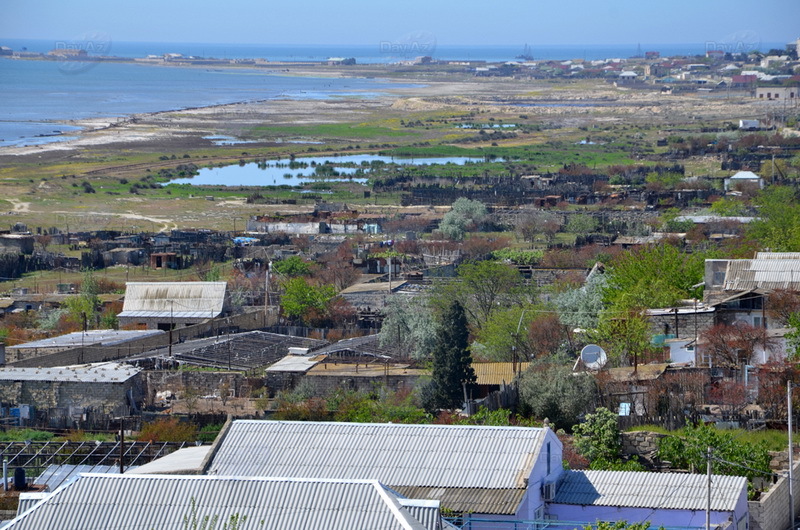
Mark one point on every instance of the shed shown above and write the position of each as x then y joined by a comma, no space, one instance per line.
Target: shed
167,305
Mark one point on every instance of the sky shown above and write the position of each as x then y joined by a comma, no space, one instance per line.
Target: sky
449,22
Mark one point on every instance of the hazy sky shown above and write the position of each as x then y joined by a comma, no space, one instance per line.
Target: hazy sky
537,22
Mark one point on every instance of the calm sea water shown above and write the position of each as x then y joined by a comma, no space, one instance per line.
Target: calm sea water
39,96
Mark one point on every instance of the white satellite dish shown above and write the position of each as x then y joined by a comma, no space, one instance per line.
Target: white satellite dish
593,356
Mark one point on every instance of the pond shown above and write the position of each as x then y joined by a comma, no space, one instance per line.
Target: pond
300,171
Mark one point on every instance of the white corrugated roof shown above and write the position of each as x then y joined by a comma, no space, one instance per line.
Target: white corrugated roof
766,273
108,337
170,502
446,456
174,299
80,373
638,489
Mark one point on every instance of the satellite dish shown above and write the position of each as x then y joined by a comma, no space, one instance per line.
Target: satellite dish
593,357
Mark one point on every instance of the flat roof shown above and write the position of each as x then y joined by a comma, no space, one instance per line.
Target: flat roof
106,337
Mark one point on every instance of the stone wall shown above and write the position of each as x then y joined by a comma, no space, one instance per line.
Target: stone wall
202,383
92,354
326,384
47,395
642,444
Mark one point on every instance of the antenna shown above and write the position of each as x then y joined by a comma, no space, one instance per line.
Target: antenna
593,356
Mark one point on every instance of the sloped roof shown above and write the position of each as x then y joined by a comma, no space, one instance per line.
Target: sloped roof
496,373
170,502
83,373
767,273
639,489
468,468
173,299
106,337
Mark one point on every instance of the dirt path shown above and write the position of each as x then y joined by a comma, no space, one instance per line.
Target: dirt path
19,206
166,224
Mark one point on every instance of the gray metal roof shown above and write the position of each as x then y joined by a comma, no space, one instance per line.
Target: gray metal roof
174,299
483,459
178,502
55,475
108,337
637,489
80,373
766,273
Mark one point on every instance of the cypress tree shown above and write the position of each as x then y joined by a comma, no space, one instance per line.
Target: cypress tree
452,360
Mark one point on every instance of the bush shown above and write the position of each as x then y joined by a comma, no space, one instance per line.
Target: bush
168,430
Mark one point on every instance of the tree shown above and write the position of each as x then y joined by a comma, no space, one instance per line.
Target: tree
581,307
653,276
497,336
292,266
732,345
409,326
778,224
599,439
452,361
85,306
782,304
626,336
581,224
302,300
465,215
550,390
485,287
732,456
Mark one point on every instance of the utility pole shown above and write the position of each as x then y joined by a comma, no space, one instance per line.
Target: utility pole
791,451
708,494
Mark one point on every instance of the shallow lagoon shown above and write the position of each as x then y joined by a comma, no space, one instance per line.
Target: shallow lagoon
288,172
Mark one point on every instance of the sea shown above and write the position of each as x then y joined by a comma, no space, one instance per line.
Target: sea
38,99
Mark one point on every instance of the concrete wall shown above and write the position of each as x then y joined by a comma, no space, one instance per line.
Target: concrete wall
90,354
326,384
771,511
685,324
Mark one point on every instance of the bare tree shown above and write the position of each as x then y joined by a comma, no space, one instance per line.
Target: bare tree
732,345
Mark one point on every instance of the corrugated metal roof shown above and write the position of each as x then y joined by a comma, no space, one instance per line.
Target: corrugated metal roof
425,511
769,273
55,475
440,457
81,373
188,461
179,502
496,373
777,255
637,489
174,299
503,501
108,337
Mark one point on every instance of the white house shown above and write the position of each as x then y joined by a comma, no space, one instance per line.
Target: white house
743,177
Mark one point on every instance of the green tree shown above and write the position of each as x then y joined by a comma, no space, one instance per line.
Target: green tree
619,525
598,437
498,334
728,207
409,326
86,304
452,361
292,266
581,224
624,335
302,300
550,390
732,456
653,276
483,288
778,225
465,215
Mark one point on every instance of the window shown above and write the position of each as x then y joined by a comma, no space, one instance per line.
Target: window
548,458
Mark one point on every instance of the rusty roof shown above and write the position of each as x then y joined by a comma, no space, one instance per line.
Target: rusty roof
496,373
